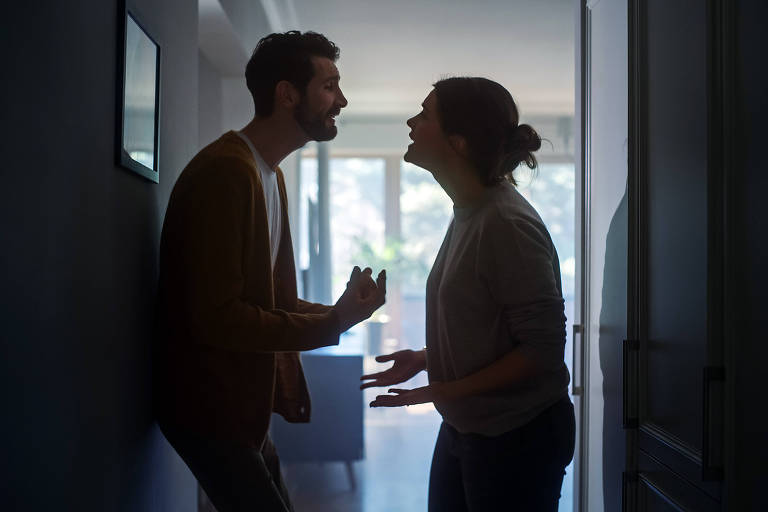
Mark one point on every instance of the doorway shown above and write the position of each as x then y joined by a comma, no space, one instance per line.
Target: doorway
354,201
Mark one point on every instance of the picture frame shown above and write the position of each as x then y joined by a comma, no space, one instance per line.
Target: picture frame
138,96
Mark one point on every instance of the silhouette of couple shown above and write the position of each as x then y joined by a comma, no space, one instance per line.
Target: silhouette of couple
230,324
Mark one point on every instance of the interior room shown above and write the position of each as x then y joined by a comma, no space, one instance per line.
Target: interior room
649,180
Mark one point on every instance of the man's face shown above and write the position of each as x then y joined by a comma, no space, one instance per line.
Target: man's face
321,102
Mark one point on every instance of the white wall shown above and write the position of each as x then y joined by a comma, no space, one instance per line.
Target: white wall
236,104
607,175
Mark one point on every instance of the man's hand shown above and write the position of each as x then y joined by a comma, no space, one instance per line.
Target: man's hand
407,364
362,297
365,284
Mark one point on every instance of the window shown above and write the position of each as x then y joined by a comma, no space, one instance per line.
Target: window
387,213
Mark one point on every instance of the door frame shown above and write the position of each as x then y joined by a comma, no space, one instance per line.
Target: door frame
580,361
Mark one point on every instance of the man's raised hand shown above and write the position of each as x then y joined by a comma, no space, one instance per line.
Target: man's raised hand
362,297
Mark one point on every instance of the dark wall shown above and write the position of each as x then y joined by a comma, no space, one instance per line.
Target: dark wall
210,100
751,244
79,243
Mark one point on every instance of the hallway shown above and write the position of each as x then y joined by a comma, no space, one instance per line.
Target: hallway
394,474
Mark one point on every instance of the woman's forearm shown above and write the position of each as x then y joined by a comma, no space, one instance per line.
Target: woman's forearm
422,354
513,369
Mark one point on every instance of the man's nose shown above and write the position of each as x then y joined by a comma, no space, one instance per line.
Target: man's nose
409,122
342,99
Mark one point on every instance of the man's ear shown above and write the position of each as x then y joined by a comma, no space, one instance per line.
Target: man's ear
459,145
286,94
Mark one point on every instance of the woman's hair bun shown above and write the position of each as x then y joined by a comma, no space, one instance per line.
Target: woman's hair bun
522,141
523,136
485,114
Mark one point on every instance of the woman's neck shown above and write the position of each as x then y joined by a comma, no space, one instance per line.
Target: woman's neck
462,185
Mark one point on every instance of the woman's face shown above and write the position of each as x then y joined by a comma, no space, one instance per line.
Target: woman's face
430,145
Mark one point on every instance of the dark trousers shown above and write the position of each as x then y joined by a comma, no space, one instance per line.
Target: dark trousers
521,470
236,477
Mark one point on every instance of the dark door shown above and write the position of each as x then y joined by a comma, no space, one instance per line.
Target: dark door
672,364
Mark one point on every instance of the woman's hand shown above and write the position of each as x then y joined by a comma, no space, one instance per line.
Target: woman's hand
423,395
407,364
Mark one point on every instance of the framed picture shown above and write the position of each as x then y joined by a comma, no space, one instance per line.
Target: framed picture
138,96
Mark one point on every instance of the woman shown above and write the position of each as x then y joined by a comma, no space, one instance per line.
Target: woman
495,323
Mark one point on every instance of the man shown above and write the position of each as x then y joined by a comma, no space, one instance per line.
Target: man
230,322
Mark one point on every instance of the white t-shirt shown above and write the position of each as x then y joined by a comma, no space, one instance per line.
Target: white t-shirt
271,199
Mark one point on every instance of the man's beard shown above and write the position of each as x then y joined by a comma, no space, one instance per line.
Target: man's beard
314,124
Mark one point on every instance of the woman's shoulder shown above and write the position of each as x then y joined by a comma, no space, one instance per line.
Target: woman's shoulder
513,237
510,223
510,209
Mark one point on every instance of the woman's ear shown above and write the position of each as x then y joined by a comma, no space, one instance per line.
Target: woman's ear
459,145
286,94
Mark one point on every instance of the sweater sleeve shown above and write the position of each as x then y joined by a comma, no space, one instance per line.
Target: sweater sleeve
518,263
213,230
312,307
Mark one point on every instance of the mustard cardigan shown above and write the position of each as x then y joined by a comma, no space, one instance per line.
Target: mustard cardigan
230,328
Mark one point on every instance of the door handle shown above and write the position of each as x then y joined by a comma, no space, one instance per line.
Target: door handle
577,390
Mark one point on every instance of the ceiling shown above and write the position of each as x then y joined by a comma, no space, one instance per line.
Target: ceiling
393,50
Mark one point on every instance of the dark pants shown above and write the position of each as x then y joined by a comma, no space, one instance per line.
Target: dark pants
521,470
235,476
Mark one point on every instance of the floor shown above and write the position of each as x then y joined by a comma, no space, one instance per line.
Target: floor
393,475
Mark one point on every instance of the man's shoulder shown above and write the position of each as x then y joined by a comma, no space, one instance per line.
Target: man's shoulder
226,157
229,147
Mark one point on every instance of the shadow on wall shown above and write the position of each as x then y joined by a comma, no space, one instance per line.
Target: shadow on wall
613,330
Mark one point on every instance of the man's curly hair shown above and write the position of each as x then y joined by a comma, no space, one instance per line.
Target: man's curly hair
284,56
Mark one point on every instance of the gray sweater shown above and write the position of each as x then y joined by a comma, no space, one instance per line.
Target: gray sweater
495,287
